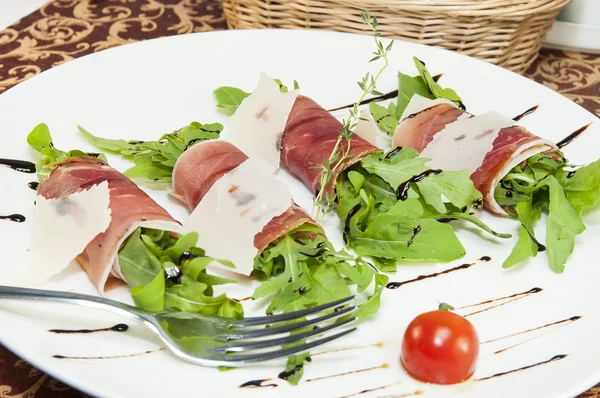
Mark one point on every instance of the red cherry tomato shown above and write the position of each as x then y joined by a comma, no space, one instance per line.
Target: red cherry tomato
440,347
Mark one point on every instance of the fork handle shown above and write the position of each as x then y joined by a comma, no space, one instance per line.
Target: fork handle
21,293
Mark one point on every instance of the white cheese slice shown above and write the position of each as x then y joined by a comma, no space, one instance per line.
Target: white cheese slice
235,209
464,143
257,125
62,228
419,103
366,128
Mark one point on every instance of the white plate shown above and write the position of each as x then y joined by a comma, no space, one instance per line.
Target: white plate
143,90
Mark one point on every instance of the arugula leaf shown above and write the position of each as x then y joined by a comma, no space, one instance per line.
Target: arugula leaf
407,87
379,224
582,186
435,88
41,140
562,226
385,118
146,256
154,160
423,85
543,183
229,98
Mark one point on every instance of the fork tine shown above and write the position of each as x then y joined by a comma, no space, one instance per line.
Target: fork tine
264,332
267,356
272,343
265,320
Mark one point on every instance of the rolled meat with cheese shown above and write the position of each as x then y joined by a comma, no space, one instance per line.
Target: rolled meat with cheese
128,209
220,184
489,145
309,138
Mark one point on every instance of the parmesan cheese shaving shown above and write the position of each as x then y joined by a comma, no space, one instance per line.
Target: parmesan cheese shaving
62,228
366,128
257,125
464,143
236,208
419,103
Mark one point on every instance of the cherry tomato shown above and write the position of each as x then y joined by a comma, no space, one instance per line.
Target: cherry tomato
440,347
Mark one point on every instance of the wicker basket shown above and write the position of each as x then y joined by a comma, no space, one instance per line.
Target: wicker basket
508,33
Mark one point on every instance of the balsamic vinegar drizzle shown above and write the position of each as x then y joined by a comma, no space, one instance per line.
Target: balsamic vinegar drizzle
396,285
19,165
554,358
120,327
416,230
393,152
571,173
14,218
379,98
402,191
568,139
510,299
562,322
286,374
257,384
383,366
437,77
527,112
244,299
33,185
137,354
377,389
378,345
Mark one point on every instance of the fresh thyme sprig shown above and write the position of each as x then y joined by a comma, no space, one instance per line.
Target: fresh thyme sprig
324,201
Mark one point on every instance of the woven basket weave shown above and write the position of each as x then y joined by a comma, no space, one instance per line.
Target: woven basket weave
508,33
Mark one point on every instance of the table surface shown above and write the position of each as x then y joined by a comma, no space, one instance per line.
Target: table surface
34,44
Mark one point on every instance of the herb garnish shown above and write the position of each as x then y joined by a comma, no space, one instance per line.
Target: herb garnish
324,201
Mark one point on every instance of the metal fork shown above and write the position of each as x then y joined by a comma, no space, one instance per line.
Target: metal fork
217,341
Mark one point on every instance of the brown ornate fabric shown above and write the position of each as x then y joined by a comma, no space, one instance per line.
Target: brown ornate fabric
66,29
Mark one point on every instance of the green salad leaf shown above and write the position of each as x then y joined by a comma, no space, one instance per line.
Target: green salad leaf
393,207
542,183
149,256
387,118
40,139
154,160
229,98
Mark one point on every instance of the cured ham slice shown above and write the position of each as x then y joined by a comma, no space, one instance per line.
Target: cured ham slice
489,145
130,208
203,165
309,138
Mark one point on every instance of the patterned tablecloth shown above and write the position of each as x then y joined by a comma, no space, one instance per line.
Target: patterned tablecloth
66,29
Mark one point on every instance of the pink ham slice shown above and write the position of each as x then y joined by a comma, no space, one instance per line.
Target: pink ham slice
309,137
203,164
130,208
512,146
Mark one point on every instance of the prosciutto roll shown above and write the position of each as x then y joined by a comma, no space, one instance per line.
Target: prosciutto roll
489,145
130,208
201,166
309,137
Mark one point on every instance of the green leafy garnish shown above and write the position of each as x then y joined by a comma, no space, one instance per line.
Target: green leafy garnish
154,160
303,270
542,183
230,98
445,307
325,202
148,256
434,88
394,207
41,140
424,85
